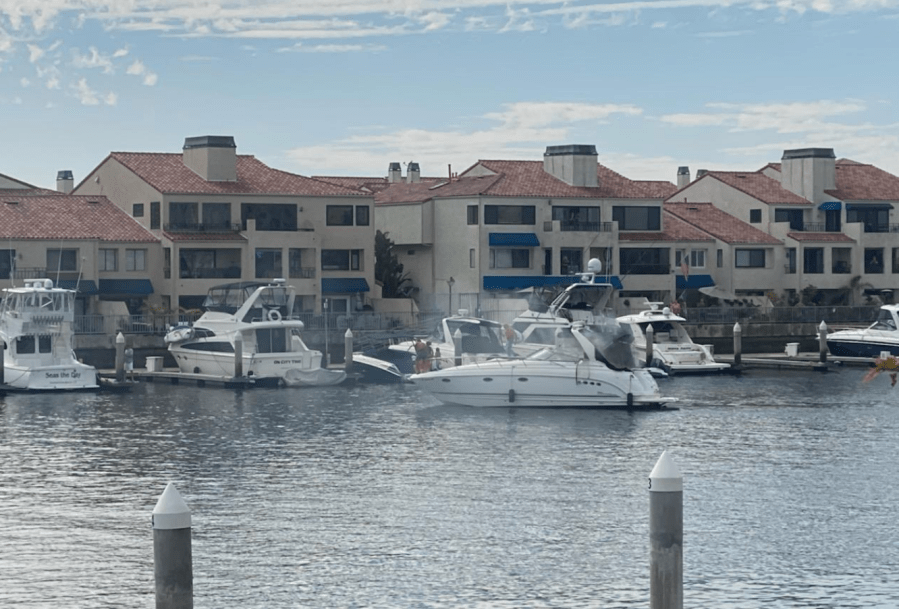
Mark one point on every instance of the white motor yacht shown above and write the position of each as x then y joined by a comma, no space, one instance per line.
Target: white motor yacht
882,335
672,350
271,344
586,367
480,341
37,326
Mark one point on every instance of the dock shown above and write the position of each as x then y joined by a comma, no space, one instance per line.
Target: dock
174,377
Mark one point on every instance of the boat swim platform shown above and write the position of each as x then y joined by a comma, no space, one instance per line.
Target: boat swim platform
174,377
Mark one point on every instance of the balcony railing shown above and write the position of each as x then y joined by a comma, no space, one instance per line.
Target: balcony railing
302,273
590,227
645,269
41,272
882,228
204,227
230,272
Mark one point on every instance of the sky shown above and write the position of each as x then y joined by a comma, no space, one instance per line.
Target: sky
344,87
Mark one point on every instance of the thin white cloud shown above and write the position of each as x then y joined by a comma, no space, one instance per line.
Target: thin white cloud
94,59
34,52
333,48
24,82
139,69
89,97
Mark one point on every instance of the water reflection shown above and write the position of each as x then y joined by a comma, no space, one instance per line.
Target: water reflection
380,497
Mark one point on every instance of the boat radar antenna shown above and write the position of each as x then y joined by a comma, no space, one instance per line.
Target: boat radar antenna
594,268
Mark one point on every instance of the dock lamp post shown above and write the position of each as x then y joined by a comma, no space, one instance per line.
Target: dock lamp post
450,282
325,307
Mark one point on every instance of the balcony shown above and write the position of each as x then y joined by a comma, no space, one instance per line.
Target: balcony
302,273
645,269
210,227
587,227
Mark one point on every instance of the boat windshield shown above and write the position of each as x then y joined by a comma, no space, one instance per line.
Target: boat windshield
476,337
612,342
554,354
885,321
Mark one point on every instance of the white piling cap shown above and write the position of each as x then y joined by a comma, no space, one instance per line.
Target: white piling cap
171,512
120,338
665,476
348,333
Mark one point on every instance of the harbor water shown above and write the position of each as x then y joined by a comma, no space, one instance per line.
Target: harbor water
378,496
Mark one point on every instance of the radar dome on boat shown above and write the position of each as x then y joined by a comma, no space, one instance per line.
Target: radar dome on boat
594,265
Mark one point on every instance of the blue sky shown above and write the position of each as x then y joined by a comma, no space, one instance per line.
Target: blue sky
345,87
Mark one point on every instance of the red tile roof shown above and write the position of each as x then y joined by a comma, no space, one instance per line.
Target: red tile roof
400,193
167,173
369,184
821,237
675,230
528,179
860,182
759,186
719,224
68,217
12,193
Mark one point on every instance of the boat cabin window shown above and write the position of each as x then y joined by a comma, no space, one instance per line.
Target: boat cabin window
218,347
272,340
203,333
44,344
24,344
885,321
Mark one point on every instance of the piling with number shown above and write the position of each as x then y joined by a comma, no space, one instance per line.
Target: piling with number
650,339
738,345
238,354
120,358
172,551
666,535
822,342
348,351
457,347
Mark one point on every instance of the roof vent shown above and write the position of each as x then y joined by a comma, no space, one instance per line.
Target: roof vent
11,202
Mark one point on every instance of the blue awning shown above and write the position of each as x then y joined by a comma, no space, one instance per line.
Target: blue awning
830,205
694,281
514,240
86,286
130,287
344,285
522,282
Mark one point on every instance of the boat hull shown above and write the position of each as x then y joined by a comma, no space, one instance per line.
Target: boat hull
536,384
367,369
860,346
62,377
295,369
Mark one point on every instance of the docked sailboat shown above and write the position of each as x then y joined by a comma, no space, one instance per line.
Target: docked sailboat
37,327
258,317
672,350
588,366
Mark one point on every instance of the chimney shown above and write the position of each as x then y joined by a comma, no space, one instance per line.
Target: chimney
701,172
413,173
683,176
574,164
394,173
212,157
65,183
808,172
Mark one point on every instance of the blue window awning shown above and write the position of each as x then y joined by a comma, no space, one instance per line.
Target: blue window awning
344,285
831,205
129,287
522,282
513,240
694,281
85,287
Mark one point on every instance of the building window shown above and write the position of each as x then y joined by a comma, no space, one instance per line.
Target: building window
135,260
471,258
509,214
749,259
216,216
895,259
875,218
154,215
577,218
632,217
362,215
793,216
268,263
644,261
790,266
270,216
339,215
813,260
874,260
62,260
137,210
472,214
841,263
755,216
107,260
341,260
184,216
694,258
720,259
7,263
510,258
572,261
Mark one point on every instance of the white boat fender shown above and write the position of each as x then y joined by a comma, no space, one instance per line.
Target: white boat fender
274,315
511,396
